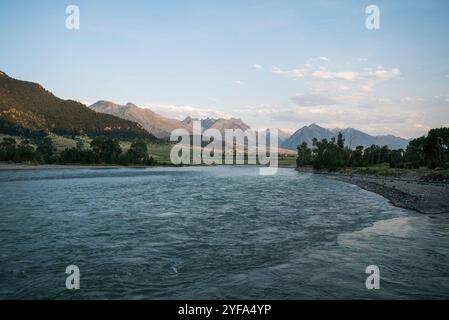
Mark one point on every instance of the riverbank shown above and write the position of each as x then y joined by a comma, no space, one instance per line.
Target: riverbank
21,166
414,191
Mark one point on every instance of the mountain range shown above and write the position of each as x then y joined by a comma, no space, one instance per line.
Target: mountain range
162,126
27,107
353,138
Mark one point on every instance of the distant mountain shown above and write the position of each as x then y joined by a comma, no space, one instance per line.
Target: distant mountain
154,123
353,138
205,123
356,138
306,134
232,123
219,124
27,107
283,136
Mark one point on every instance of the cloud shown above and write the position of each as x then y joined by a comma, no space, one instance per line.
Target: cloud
411,99
313,99
328,75
336,94
294,73
335,107
366,88
257,66
380,74
320,73
383,74
443,97
402,120
324,59
238,82
354,88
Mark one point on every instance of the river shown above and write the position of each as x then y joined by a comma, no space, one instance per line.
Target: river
211,233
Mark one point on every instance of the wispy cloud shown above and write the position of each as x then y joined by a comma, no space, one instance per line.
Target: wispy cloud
238,82
411,99
443,97
329,75
257,66
351,88
404,119
319,73
313,99
383,74
324,74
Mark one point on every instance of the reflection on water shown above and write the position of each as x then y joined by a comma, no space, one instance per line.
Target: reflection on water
221,232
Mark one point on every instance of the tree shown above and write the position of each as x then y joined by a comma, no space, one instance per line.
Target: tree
340,140
47,150
415,152
25,152
396,157
431,150
107,150
304,155
79,145
331,154
138,152
8,142
356,158
8,147
436,147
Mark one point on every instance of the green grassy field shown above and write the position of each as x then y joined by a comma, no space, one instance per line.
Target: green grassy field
17,138
287,161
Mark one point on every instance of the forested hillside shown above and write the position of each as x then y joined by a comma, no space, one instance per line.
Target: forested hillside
28,108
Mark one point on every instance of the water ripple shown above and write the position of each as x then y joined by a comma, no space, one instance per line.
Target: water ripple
221,232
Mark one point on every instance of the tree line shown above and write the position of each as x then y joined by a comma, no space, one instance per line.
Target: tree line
103,150
431,151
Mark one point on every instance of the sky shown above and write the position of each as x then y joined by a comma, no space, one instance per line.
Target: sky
274,64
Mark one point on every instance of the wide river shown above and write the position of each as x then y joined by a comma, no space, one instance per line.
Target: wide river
211,232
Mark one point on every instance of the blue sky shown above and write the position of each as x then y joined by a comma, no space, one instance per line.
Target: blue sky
278,63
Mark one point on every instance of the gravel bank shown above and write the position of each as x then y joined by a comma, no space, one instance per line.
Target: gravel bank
422,196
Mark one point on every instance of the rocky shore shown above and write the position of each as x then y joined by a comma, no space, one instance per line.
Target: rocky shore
413,192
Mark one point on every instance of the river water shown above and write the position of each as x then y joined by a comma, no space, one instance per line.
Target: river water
211,232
